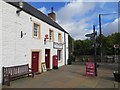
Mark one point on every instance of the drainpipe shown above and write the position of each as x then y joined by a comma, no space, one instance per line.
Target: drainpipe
65,47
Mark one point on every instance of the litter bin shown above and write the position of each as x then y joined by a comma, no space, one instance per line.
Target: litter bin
116,76
69,61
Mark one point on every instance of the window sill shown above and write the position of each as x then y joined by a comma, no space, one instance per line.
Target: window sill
51,41
36,37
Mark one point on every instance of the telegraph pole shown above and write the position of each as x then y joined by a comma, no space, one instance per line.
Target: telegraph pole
100,35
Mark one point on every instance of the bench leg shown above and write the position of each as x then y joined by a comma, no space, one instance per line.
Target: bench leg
3,82
8,83
28,75
32,75
9,79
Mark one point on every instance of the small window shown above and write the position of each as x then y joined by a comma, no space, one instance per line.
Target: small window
36,30
59,54
51,35
59,38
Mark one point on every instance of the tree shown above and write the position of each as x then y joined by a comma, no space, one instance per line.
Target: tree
84,47
70,44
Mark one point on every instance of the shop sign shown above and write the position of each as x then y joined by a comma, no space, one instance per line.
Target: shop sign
57,45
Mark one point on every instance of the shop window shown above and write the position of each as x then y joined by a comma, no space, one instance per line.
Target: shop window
59,54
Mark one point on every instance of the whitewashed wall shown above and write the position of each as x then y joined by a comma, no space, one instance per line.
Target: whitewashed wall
67,51
17,50
0,41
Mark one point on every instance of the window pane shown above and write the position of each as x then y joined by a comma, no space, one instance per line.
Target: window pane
59,37
59,54
51,35
35,30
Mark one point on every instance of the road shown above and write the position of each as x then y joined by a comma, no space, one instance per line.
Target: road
113,66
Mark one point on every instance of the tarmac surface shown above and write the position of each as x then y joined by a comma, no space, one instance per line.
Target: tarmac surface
69,76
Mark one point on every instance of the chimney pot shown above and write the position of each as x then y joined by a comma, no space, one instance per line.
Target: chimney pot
52,15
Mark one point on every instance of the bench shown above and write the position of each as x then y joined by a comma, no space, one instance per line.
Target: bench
16,72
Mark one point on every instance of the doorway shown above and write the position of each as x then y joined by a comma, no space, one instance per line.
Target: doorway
35,61
47,58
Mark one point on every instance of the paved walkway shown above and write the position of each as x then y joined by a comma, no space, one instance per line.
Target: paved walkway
70,76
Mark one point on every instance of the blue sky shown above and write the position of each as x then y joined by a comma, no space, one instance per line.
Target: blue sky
78,17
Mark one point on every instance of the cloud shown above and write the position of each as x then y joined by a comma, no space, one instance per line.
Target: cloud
112,27
70,10
67,14
78,29
43,10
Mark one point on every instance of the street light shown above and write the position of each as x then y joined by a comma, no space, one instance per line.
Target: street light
100,35
21,4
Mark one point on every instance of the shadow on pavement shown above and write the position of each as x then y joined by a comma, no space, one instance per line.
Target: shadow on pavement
108,78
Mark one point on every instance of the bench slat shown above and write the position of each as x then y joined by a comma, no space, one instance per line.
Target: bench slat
15,72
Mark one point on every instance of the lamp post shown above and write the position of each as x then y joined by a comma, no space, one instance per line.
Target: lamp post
100,35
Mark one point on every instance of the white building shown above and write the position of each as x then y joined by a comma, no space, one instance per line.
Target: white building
22,37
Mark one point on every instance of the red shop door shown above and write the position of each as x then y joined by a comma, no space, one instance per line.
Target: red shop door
47,58
35,59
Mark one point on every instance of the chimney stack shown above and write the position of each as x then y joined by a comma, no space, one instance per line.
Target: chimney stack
52,15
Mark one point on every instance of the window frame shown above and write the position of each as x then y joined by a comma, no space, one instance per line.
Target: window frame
52,35
60,37
38,30
59,60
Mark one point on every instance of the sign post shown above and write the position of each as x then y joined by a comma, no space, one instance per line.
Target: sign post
93,37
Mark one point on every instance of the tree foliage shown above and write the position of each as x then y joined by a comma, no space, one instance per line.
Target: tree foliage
85,47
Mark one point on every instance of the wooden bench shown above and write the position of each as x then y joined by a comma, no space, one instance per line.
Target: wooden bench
15,72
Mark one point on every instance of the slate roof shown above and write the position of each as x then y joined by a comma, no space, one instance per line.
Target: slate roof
38,14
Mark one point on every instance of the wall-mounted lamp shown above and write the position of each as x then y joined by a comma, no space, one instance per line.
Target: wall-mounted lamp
22,34
20,7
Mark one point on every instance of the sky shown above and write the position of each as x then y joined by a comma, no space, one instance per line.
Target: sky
78,18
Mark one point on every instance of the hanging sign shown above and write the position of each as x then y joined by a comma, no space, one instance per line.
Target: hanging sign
46,36
57,45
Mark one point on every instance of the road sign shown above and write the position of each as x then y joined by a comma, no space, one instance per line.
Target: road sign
91,35
116,46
